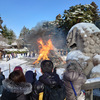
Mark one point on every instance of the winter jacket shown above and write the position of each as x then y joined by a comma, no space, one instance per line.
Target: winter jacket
49,79
12,91
2,77
77,79
30,77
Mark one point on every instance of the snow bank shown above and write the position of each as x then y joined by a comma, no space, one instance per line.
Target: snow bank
76,55
91,28
92,80
16,62
96,69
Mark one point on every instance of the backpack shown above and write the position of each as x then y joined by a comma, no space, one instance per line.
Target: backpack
56,93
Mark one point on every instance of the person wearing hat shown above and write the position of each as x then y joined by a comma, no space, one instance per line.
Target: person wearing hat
15,87
18,68
30,77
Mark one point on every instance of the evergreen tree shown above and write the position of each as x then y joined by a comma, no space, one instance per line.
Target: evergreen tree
96,12
8,34
24,32
77,14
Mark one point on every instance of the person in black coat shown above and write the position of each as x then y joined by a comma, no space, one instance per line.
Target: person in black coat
15,87
2,77
48,78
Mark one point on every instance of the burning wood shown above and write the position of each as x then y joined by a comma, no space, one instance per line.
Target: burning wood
44,50
48,51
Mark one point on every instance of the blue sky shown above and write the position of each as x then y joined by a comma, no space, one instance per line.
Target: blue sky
18,13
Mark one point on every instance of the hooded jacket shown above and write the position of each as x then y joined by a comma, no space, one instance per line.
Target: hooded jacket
12,91
77,79
49,79
30,77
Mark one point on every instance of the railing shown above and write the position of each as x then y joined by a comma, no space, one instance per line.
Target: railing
89,86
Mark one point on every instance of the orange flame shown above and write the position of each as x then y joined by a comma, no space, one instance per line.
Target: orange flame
44,50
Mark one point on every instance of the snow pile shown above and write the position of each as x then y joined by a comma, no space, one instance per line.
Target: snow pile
96,60
83,27
96,69
79,58
76,55
95,72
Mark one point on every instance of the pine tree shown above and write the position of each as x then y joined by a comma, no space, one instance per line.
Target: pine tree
76,14
8,34
96,12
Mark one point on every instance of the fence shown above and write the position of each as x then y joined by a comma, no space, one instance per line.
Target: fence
93,83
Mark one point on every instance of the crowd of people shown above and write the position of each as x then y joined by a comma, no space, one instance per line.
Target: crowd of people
49,86
15,55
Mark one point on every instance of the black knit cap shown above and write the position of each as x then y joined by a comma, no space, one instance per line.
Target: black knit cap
46,66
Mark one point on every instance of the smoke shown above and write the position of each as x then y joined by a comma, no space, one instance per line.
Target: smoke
46,31
59,40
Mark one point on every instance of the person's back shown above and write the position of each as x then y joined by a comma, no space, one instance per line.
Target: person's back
73,80
49,84
15,87
2,77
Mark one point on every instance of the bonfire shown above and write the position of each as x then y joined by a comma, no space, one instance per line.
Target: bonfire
44,50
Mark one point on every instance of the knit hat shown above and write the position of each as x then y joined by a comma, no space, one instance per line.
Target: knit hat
30,77
18,68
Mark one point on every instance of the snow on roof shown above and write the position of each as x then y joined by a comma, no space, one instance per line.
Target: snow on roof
2,43
14,43
76,54
10,49
91,28
24,49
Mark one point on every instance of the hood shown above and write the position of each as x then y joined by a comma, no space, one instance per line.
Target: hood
22,87
30,77
50,79
70,75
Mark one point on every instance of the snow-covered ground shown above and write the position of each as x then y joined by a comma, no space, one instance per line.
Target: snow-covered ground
8,66
20,61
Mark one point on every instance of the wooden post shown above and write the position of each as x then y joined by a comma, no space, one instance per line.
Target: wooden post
89,94
9,68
